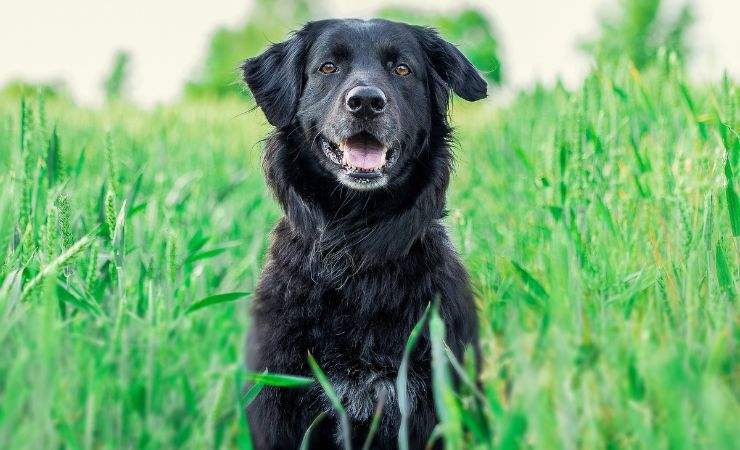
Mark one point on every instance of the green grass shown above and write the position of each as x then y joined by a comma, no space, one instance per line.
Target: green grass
600,228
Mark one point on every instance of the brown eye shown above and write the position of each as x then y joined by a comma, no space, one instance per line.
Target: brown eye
328,68
402,70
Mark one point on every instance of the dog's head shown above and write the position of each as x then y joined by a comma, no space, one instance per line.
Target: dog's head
365,95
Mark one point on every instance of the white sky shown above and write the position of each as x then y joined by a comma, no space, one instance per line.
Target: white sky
74,40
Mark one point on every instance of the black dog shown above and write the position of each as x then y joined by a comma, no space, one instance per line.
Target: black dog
360,163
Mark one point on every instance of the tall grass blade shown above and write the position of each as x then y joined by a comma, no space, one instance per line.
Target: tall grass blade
252,393
733,202
54,265
119,236
306,441
402,379
531,282
444,393
463,375
215,300
375,423
279,380
53,158
334,399
210,253
724,275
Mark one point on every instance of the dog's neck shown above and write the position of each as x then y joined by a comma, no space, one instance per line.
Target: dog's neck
363,228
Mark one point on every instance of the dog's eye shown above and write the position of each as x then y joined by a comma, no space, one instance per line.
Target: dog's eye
328,68
402,70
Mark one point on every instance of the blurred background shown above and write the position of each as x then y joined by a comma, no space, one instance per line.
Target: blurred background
149,52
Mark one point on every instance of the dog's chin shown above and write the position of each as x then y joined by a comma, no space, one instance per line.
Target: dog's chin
360,162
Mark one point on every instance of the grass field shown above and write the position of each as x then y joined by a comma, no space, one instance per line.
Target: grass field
600,227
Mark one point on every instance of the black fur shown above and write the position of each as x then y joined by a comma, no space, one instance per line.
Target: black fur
350,271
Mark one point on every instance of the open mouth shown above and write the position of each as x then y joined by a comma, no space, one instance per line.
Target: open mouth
362,156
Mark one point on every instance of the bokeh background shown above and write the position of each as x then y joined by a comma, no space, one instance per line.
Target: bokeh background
170,43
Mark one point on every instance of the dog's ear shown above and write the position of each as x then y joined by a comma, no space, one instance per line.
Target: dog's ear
276,78
450,68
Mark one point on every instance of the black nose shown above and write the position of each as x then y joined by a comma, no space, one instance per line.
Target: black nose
365,101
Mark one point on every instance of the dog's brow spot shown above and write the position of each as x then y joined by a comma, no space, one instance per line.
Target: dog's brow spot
341,51
389,53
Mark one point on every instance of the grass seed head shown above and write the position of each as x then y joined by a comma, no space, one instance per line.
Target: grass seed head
110,211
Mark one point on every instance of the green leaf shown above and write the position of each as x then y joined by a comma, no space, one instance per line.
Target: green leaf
724,276
375,423
216,299
733,202
278,380
334,399
532,284
118,235
55,264
197,241
251,394
402,379
65,293
514,431
53,158
445,401
211,253
306,441
133,194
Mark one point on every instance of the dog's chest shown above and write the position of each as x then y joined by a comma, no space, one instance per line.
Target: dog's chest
372,335
356,326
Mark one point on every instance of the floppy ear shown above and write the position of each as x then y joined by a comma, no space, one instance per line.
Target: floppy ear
276,77
450,67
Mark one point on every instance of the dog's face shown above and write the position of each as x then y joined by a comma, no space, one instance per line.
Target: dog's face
363,93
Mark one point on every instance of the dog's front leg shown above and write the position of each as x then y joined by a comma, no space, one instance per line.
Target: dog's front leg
279,417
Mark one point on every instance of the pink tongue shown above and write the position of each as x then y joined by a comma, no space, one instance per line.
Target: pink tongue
367,156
